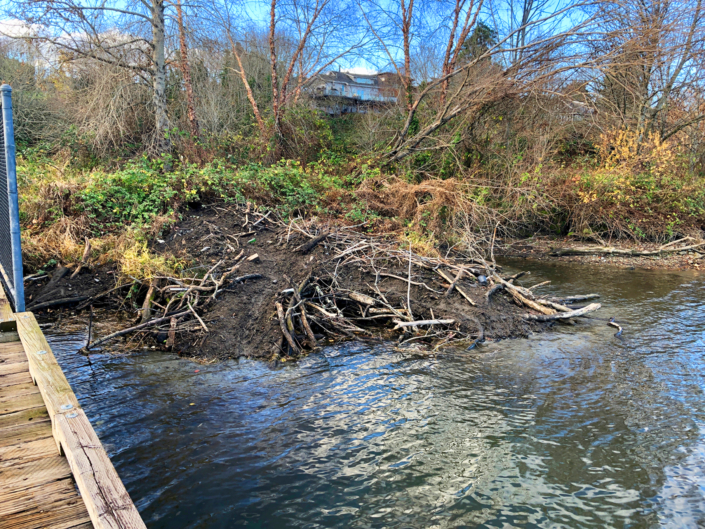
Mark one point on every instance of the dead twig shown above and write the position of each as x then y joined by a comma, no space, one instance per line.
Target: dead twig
403,324
285,331
197,317
84,259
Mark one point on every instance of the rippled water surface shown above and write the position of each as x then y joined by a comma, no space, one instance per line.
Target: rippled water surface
574,428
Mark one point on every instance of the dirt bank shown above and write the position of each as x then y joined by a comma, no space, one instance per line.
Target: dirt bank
330,284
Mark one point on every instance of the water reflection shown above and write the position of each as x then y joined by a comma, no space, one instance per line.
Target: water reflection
571,429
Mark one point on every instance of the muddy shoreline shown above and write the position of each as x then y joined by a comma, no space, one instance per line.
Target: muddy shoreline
367,291
546,248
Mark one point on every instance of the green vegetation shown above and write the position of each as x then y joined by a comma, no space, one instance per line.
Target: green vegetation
576,125
125,205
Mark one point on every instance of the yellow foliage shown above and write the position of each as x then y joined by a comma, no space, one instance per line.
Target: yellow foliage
635,151
62,241
137,261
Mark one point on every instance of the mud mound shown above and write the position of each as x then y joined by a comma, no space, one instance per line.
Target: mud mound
254,286
244,322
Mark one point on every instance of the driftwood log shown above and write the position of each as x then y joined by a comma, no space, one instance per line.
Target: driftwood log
563,315
421,323
611,250
57,302
131,330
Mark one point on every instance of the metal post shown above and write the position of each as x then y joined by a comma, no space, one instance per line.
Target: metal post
17,272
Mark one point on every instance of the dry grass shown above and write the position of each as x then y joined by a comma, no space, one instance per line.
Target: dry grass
62,242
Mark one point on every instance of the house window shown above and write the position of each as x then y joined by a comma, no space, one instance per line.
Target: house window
361,80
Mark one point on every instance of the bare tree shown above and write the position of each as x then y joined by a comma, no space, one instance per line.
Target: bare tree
463,19
320,32
656,58
186,72
397,27
231,19
487,76
130,36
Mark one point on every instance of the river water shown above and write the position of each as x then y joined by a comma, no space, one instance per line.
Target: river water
572,428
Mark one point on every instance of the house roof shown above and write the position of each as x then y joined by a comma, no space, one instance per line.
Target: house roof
382,79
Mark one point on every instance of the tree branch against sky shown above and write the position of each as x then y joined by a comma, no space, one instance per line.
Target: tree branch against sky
128,35
638,62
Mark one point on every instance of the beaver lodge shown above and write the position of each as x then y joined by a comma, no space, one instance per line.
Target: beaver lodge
255,286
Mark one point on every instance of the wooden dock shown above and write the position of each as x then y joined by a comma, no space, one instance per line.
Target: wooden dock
54,472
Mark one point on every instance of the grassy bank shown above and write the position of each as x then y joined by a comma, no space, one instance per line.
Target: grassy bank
120,208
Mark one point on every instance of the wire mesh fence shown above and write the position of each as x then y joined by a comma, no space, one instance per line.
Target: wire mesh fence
10,242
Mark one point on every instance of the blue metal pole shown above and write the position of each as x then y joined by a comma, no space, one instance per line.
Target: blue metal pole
10,164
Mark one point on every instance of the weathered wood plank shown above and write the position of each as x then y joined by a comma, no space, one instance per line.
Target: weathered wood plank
19,418
63,514
105,496
13,358
5,307
15,378
32,473
34,499
25,432
10,368
27,451
21,402
46,371
12,347
11,392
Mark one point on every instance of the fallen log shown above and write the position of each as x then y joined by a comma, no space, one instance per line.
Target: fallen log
574,299
457,287
452,285
132,329
296,292
611,250
563,315
553,305
419,323
362,298
310,245
539,285
522,295
56,303
285,331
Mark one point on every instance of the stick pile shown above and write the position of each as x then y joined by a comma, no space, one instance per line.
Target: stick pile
378,302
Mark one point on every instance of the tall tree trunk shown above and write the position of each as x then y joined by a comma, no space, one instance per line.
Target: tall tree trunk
159,77
248,89
276,96
273,63
186,72
407,14
453,48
